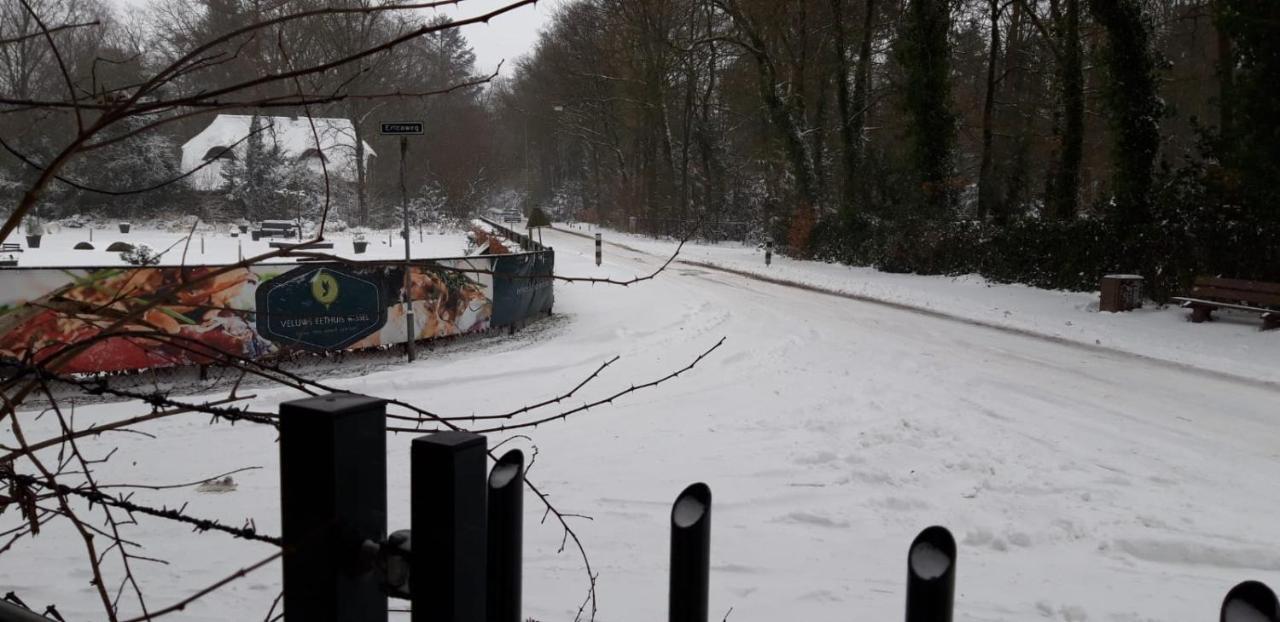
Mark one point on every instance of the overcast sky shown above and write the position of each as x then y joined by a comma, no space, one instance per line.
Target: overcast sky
508,36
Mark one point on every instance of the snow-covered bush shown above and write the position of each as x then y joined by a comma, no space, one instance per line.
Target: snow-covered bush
140,255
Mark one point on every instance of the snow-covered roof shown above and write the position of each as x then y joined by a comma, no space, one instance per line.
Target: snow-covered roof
294,136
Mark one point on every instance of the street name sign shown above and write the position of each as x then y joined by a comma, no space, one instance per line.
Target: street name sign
402,128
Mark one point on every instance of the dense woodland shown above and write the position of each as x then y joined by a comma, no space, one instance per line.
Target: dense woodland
1040,141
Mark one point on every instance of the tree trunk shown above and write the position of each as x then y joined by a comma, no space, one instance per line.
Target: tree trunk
690,84
1066,188
780,113
1133,103
362,203
924,51
987,191
1226,81
848,137
862,99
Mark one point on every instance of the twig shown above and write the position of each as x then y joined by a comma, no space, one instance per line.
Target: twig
182,604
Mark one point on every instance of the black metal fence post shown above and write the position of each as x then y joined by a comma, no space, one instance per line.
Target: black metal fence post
690,554
768,252
447,575
505,544
598,244
1250,601
333,493
931,576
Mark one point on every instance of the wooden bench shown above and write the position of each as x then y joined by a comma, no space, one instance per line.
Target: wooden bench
1212,293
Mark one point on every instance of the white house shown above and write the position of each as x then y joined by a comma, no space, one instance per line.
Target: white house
293,135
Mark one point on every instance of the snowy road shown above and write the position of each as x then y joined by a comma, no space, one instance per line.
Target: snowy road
1081,485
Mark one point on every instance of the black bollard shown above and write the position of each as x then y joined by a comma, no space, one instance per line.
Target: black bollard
931,576
598,243
690,554
505,545
768,252
333,497
447,513
1250,601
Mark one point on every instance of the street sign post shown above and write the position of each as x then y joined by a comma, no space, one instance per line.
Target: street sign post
404,129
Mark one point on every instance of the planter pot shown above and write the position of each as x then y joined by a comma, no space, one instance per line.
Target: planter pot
360,246
244,228
33,241
124,227
256,236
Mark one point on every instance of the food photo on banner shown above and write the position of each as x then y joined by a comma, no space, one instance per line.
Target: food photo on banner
252,312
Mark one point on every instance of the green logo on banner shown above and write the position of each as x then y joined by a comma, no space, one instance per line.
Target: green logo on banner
324,287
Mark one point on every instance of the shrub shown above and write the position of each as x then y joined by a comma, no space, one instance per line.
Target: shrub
141,255
1184,241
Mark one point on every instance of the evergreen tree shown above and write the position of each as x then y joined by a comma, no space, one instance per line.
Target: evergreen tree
446,56
254,180
1255,105
1135,107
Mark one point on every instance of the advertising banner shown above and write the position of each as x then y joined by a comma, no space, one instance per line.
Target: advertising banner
522,286
138,318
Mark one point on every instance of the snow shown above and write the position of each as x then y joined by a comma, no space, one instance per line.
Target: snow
293,135
928,561
1081,483
1232,345
689,508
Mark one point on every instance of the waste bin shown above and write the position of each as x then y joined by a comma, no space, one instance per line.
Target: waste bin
1120,292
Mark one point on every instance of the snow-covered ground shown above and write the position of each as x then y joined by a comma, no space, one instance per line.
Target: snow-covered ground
211,245
1232,344
1081,483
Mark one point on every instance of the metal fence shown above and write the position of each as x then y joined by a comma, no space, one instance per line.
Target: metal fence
461,559
527,243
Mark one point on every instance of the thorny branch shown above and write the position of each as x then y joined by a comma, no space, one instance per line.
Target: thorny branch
97,115
92,495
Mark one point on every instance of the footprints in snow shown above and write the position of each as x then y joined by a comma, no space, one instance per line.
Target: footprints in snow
1172,551
982,537
1066,613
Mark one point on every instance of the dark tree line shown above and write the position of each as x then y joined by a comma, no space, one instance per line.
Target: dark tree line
1043,141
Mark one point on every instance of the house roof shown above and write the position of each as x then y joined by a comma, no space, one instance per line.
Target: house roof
297,137
294,135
